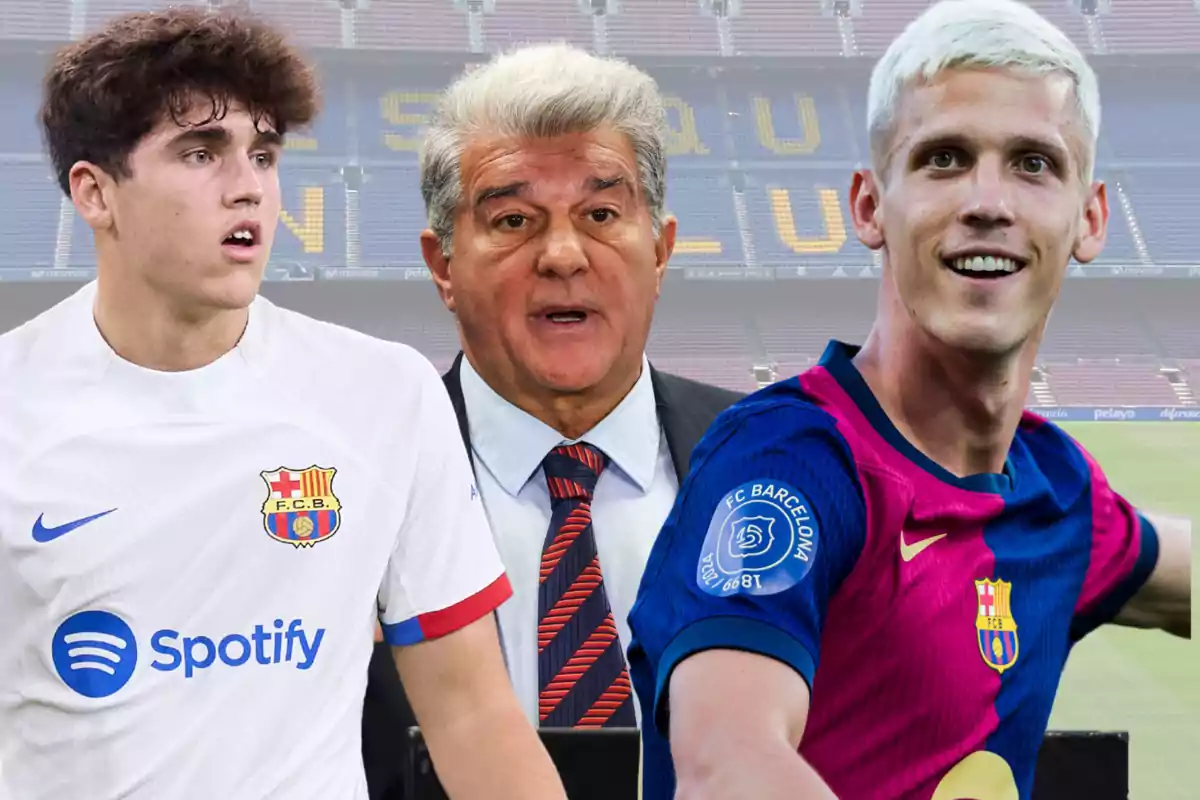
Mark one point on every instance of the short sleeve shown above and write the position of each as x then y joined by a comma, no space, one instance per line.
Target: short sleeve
765,528
444,571
1124,552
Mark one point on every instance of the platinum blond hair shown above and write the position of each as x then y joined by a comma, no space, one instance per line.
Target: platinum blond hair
978,34
538,92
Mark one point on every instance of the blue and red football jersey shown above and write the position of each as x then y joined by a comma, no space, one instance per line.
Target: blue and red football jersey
930,615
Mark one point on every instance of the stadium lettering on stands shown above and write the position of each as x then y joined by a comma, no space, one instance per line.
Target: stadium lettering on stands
266,647
310,227
833,222
397,109
806,115
682,139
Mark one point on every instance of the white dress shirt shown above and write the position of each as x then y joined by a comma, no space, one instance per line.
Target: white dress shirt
632,500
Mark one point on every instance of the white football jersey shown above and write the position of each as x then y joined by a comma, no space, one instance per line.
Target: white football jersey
191,564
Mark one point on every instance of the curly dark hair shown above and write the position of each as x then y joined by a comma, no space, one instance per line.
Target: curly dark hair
103,94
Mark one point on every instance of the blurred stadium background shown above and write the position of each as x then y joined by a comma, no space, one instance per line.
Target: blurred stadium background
767,108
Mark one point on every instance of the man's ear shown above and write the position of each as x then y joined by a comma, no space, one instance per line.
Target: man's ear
1093,233
439,267
866,209
663,248
92,193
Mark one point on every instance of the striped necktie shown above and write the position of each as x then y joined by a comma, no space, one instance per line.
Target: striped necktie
582,676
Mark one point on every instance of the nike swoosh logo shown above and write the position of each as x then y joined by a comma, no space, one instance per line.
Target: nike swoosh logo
42,534
910,551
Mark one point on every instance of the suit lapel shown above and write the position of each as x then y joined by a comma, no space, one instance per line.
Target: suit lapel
680,422
453,381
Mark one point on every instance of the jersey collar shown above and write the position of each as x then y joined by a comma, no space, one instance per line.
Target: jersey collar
838,362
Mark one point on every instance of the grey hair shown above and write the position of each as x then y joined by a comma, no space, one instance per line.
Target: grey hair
978,34
537,92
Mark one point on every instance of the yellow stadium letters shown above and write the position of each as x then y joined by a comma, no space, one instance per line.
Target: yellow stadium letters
310,229
398,109
831,215
806,113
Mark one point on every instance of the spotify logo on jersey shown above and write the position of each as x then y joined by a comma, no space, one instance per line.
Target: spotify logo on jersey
94,653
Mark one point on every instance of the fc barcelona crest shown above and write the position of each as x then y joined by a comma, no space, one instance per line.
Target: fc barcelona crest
997,629
301,508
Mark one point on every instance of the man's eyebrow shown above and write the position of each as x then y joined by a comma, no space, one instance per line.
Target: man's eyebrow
214,135
496,192
218,135
597,184
268,138
1041,145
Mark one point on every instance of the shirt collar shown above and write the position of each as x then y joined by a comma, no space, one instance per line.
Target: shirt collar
512,443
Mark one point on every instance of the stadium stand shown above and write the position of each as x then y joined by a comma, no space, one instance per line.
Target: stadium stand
1152,26
661,27
29,212
784,28
518,22
43,21
766,104
1164,199
319,22
409,25
1109,383
729,28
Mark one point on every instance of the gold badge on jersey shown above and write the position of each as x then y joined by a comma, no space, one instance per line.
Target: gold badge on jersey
301,508
995,625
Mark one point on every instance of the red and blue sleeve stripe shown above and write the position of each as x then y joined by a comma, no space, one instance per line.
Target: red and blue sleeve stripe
435,624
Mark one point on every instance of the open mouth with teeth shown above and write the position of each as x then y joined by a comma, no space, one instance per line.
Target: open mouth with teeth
243,237
567,316
984,266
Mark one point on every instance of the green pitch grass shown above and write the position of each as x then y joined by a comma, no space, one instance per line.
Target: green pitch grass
1144,682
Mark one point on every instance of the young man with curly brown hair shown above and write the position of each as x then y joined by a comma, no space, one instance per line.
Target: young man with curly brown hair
206,501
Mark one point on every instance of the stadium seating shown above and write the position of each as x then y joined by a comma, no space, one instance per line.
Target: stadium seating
755,28
801,219
1175,325
1131,97
317,22
45,21
97,12
656,27
410,25
784,28
1152,26
708,226
1165,201
29,213
393,217
760,163
1109,383
760,152
518,22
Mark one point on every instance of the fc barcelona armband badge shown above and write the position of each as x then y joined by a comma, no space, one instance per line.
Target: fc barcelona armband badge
762,540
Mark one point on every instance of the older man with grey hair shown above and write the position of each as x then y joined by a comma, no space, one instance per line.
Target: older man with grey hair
544,178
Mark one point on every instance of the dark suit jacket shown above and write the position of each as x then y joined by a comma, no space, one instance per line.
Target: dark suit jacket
685,411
